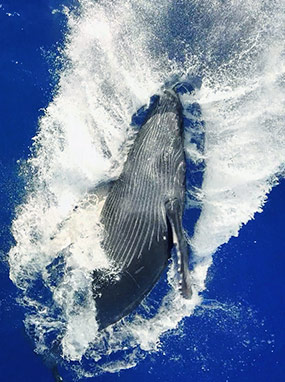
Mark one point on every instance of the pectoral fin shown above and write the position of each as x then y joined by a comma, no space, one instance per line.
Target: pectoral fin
174,215
69,229
102,189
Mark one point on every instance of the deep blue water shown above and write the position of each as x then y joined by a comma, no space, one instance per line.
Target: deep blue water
238,335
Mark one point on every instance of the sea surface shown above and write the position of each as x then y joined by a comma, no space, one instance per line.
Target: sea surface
73,73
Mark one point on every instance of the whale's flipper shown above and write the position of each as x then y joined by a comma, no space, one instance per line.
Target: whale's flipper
174,212
68,230
102,189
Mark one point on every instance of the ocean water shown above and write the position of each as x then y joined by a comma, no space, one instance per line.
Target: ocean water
73,74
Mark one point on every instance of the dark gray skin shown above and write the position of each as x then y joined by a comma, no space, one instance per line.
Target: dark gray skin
142,216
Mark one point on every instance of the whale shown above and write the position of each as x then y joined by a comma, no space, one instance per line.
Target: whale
142,215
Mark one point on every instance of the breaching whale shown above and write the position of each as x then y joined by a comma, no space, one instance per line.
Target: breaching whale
142,215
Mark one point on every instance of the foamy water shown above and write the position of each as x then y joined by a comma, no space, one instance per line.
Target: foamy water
117,55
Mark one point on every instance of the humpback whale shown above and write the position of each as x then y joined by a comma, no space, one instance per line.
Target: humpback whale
142,215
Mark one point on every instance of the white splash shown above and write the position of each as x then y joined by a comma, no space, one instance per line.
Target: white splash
117,55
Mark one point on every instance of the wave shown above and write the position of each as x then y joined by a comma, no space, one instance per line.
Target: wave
116,55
